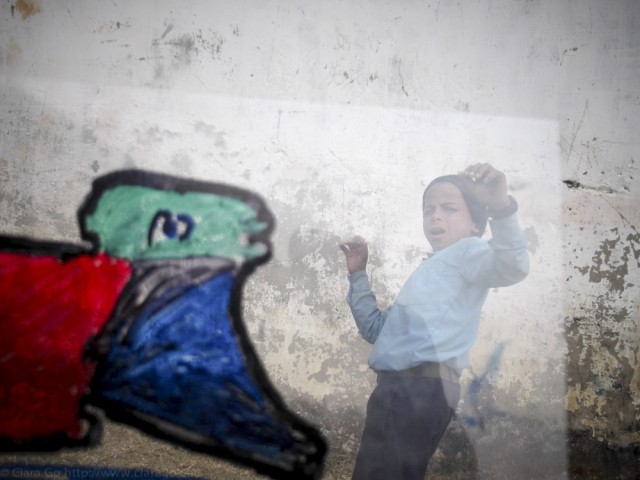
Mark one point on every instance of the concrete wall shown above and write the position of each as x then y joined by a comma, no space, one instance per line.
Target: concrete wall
338,113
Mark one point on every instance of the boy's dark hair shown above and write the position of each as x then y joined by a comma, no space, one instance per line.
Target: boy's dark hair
478,212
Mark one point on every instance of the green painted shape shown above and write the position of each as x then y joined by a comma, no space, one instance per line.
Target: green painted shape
124,214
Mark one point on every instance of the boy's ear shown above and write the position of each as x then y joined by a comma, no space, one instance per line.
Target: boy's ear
475,229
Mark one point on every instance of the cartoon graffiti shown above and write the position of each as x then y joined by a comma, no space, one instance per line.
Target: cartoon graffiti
145,323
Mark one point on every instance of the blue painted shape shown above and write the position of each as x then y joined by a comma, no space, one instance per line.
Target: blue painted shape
181,362
481,412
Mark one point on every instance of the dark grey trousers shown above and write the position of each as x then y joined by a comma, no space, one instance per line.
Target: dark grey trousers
406,418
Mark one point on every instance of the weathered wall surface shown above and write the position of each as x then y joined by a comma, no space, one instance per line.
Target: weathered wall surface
338,113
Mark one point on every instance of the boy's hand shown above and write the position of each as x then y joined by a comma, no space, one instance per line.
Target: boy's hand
356,253
489,185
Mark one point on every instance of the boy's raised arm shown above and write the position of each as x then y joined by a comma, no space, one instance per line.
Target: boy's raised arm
356,253
509,261
362,301
488,185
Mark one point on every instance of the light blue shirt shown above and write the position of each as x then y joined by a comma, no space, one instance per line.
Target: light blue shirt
436,314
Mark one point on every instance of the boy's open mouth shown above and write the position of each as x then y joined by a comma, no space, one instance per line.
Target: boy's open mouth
437,231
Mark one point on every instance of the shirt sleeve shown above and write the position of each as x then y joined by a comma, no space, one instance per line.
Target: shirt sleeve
503,260
364,307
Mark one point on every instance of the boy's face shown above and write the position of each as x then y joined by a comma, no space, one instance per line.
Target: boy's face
445,216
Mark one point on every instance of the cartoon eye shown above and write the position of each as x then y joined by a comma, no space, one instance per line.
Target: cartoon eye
168,226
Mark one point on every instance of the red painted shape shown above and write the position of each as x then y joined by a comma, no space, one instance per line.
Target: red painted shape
48,310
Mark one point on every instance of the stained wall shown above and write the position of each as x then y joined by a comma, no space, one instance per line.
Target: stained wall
339,113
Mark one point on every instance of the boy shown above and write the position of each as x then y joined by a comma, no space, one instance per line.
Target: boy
421,343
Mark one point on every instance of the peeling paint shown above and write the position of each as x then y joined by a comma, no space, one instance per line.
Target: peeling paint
603,382
610,262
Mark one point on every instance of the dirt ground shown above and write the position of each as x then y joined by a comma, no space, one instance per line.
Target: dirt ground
124,447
